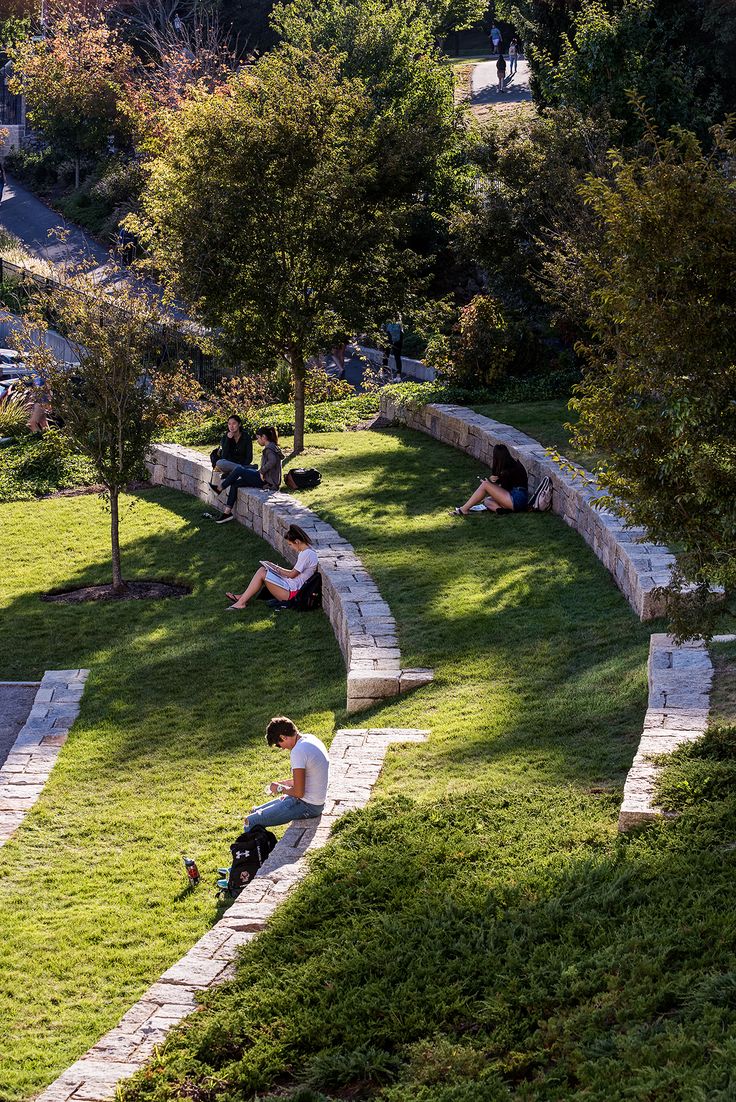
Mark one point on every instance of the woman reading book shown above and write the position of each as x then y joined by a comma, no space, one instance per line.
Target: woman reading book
281,581
507,488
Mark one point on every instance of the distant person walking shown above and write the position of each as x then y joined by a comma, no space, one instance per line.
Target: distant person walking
2,180
495,40
501,70
513,56
395,331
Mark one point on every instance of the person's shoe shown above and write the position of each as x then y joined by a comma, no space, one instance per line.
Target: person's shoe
223,872
225,518
215,489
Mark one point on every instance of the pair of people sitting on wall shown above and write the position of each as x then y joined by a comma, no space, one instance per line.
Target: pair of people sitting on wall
282,582
237,474
506,490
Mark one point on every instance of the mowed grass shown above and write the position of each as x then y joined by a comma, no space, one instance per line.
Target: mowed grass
481,931
545,421
167,754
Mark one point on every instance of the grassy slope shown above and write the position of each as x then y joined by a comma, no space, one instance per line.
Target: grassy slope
480,932
167,751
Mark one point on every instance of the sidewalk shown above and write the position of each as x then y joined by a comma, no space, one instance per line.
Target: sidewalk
30,220
484,87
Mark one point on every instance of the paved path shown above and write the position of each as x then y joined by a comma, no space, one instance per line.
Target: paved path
484,86
16,701
30,220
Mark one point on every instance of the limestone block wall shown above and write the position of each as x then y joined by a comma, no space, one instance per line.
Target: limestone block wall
356,758
680,679
36,748
637,568
361,619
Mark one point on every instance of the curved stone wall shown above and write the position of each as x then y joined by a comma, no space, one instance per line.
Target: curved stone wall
360,618
637,568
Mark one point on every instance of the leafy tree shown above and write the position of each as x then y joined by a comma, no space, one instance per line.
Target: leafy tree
116,399
655,270
73,79
277,210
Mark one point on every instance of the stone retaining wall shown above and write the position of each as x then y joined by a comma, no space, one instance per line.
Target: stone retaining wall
637,568
680,679
33,755
360,618
356,758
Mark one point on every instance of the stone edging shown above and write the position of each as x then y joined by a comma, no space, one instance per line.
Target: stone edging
356,758
360,618
637,568
36,748
680,679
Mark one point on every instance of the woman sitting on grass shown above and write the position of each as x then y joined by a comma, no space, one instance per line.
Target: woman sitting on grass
268,477
507,488
280,581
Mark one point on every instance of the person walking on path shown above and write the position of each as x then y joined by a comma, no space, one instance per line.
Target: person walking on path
513,56
303,794
495,40
395,330
501,70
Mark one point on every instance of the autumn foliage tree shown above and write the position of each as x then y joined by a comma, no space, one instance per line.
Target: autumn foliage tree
73,80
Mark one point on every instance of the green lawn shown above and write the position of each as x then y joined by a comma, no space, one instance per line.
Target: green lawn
480,931
545,421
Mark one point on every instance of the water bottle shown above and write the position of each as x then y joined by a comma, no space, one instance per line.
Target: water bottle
192,871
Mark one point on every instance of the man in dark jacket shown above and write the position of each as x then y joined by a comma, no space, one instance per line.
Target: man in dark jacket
235,450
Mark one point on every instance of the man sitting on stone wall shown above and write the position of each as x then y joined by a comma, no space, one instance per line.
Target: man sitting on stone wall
301,796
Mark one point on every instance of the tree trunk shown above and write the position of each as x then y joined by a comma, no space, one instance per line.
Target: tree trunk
76,173
117,574
299,372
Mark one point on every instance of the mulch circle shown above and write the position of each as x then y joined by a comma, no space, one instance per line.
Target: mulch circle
133,591
80,491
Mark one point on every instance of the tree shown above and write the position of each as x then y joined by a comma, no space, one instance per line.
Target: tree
277,210
115,400
73,83
655,267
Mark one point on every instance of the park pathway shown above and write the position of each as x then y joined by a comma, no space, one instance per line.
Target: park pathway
484,93
32,222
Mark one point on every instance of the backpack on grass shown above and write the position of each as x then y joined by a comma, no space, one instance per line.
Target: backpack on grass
249,851
306,599
541,499
303,478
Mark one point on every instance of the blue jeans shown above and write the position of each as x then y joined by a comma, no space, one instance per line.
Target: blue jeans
285,810
240,476
520,498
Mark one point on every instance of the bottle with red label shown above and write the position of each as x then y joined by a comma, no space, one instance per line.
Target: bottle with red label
192,871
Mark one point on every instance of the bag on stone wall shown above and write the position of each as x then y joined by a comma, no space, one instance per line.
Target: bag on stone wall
303,478
249,851
541,499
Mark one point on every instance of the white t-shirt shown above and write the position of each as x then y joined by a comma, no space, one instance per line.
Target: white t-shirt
306,563
310,754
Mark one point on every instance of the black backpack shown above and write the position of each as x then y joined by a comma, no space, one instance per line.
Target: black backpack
249,852
309,597
303,478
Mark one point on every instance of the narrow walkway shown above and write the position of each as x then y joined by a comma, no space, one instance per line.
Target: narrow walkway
16,700
484,92
356,758
37,745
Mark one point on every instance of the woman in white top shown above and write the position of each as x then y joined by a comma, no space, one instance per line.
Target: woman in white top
281,581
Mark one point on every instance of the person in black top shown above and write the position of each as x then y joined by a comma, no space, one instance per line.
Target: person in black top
235,450
507,488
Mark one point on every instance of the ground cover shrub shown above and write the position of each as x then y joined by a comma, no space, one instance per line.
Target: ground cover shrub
166,756
531,388
41,465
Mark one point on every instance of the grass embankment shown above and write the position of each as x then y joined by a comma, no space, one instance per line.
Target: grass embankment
481,932
166,755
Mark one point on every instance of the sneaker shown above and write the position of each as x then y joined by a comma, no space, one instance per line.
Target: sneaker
225,518
215,489
223,872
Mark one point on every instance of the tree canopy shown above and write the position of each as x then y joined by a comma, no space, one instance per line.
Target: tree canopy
654,275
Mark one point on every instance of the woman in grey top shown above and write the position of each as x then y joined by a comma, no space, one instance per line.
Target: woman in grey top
267,477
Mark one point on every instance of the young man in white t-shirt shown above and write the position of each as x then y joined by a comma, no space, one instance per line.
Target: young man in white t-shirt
305,790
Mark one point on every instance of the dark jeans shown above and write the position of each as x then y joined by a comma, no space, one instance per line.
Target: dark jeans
241,476
395,349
